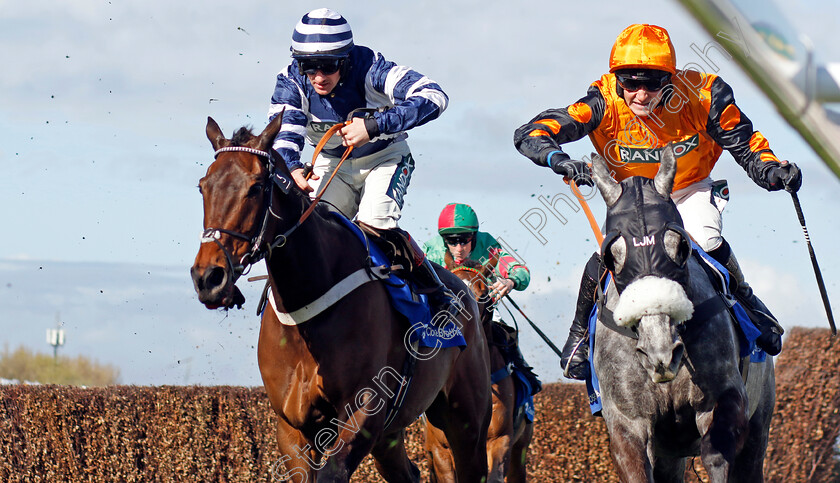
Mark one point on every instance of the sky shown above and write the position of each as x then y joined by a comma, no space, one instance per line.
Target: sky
103,107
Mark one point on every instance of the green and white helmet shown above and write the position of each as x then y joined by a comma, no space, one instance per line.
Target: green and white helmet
457,218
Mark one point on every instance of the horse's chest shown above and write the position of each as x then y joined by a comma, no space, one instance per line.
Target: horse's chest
304,403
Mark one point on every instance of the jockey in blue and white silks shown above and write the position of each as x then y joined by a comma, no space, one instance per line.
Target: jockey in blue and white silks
370,81
330,77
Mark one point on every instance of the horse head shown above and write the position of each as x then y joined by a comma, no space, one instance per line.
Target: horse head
237,192
478,277
646,249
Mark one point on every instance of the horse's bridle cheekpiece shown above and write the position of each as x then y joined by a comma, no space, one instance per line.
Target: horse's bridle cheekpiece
255,252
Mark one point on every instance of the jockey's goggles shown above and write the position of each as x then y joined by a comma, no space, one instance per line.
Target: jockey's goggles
652,82
326,66
459,239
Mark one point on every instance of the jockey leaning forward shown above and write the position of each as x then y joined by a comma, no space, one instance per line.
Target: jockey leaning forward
458,235
328,78
630,113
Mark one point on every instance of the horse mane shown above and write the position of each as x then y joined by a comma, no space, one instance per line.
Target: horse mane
241,136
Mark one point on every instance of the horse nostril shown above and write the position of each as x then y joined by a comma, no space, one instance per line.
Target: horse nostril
215,277
678,352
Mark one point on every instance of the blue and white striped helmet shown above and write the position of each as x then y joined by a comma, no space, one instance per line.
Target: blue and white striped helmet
322,33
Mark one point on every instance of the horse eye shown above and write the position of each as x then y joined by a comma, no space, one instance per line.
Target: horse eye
677,247
616,255
255,190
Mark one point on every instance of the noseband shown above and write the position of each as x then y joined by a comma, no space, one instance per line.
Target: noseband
255,253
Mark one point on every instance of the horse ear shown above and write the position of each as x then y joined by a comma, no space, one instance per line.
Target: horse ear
664,179
610,190
266,139
214,134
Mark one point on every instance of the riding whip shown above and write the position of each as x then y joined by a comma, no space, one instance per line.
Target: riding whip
817,271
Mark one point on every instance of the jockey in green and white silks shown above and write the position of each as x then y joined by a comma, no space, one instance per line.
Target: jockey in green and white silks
330,77
459,236
458,233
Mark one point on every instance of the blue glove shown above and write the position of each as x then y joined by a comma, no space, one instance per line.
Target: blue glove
787,176
578,171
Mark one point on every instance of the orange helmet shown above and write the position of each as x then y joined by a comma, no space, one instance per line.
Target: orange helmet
643,46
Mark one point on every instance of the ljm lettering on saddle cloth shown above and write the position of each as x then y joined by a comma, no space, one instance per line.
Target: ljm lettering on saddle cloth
400,180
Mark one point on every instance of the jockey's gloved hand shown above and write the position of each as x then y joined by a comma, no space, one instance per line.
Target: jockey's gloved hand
571,169
787,176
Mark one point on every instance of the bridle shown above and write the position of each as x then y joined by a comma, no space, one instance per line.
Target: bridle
255,252
480,276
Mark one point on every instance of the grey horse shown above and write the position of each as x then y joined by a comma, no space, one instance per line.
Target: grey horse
669,373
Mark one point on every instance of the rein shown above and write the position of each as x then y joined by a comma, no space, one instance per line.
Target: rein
329,134
592,223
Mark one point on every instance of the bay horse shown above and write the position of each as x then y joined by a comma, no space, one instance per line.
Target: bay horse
667,357
509,434
341,379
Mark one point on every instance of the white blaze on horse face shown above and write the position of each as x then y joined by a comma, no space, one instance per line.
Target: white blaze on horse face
659,347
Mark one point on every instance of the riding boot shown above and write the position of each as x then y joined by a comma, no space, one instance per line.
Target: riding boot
518,361
770,339
574,359
403,251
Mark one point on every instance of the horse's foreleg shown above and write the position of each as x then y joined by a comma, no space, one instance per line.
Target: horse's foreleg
297,460
723,431
501,432
438,455
349,443
629,451
498,457
519,453
392,461
466,432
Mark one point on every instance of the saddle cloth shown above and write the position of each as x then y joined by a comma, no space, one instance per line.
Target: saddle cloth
747,331
415,307
525,382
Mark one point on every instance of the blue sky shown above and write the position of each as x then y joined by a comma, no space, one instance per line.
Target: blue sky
102,115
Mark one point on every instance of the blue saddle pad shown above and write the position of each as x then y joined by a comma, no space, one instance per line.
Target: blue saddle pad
524,394
417,312
749,333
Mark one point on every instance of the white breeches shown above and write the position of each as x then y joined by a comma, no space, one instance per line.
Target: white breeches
371,188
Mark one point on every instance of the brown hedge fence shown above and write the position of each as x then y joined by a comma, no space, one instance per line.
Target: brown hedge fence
226,434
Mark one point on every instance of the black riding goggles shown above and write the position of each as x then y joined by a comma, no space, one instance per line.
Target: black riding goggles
651,83
455,240
326,66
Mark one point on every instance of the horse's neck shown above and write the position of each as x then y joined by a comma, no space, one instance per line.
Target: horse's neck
315,257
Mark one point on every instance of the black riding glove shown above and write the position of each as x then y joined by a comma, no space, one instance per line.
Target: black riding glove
787,176
571,169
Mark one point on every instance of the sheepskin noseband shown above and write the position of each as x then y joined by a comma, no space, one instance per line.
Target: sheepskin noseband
652,296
